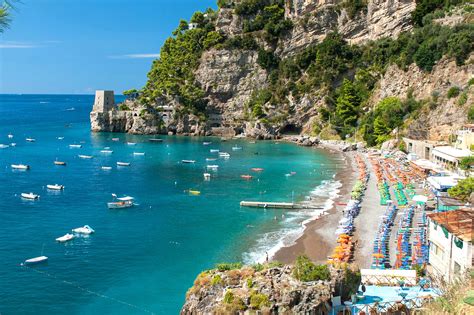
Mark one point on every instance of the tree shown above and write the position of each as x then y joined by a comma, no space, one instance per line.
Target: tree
198,18
5,14
463,189
347,106
467,163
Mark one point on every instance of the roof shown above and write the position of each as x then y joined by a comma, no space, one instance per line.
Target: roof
443,182
452,151
458,222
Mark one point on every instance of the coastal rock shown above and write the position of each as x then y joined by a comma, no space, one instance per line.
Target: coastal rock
125,121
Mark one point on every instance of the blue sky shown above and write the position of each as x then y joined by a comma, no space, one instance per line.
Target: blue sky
79,46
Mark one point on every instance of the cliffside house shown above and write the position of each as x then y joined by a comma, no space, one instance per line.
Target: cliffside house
450,236
465,137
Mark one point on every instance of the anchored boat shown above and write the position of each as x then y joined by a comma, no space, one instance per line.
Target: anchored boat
55,187
29,196
20,167
87,157
30,139
123,163
65,238
107,151
188,161
121,203
36,260
76,146
83,230
60,163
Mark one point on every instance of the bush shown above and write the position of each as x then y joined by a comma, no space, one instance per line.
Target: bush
123,107
470,113
462,99
259,300
453,92
228,266
470,82
216,280
354,7
266,59
305,270
228,297
463,189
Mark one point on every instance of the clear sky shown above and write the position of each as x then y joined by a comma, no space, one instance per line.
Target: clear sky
79,46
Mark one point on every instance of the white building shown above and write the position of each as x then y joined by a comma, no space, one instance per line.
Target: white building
465,137
450,235
449,157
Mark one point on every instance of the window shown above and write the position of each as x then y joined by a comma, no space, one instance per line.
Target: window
435,249
457,268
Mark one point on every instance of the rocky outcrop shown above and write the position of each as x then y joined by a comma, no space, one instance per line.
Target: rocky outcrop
125,121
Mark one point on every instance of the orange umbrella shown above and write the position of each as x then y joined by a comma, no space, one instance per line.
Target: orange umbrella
378,255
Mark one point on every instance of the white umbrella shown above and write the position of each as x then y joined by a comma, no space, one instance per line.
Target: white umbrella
344,220
420,198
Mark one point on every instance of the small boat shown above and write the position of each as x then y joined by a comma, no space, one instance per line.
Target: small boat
155,140
36,260
55,187
256,169
188,161
87,157
252,142
206,143
131,143
224,154
123,163
60,163
124,202
29,196
106,151
30,139
214,150
65,238
83,230
20,167
76,146
106,168
13,144
194,192
139,153
246,176
236,148
70,109
207,176
10,136
115,139
60,138
211,159
213,167
3,146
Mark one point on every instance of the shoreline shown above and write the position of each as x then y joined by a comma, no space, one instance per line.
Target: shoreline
318,239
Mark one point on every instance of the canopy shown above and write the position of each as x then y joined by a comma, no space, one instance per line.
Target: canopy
420,198
126,198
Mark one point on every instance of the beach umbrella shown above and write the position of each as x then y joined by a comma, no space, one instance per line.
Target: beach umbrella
344,236
378,255
420,198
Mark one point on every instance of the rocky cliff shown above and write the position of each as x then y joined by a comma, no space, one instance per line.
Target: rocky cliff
228,76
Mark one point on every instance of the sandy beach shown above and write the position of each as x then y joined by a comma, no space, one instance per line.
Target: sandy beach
318,239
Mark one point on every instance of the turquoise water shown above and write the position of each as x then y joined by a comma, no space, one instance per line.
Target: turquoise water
145,258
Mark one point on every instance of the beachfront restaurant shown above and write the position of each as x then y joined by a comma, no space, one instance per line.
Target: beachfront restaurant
449,157
450,237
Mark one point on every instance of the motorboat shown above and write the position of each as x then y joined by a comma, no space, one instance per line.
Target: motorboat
211,159
246,176
207,176
13,144
36,260
224,154
115,139
194,192
106,168
76,146
70,109
206,143
60,138
213,167
236,148
29,196
155,140
30,139
121,203
65,238
106,151
60,163
214,150
20,167
10,136
81,156
83,230
256,169
3,146
123,163
188,161
55,187
139,153
131,143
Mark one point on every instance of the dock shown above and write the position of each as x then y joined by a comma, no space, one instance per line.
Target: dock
274,205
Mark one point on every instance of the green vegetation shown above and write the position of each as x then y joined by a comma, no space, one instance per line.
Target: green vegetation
424,7
228,266
123,107
470,113
216,280
257,101
249,283
354,7
272,264
462,99
453,92
258,300
6,7
463,189
228,296
467,163
305,270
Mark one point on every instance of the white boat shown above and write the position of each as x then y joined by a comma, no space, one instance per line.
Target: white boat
236,148
214,150
211,159
131,143
65,238
123,163
83,230
30,139
123,202
13,144
75,146
115,139
60,138
29,196
85,156
213,167
70,109
36,260
61,163
138,153
188,161
206,143
224,154
106,151
3,146
10,136
207,176
20,167
106,168
55,187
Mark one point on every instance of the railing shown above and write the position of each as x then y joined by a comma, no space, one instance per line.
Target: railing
406,305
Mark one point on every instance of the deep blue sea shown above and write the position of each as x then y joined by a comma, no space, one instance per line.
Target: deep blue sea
140,260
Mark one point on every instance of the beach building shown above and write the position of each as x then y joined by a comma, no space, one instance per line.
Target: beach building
420,148
465,137
448,156
450,236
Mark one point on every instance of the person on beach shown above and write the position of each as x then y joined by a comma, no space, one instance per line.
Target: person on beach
266,259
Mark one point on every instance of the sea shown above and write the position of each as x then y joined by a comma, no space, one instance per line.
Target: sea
142,259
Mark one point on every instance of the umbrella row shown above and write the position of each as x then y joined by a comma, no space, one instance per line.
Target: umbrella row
380,251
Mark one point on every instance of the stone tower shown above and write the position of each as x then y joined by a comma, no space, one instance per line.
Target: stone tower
104,101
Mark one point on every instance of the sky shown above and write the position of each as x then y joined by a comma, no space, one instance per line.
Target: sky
79,46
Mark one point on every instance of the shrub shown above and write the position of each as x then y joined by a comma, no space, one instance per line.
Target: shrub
453,92
470,82
228,296
462,99
305,270
470,113
258,300
266,59
216,280
249,283
228,266
463,189
123,107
